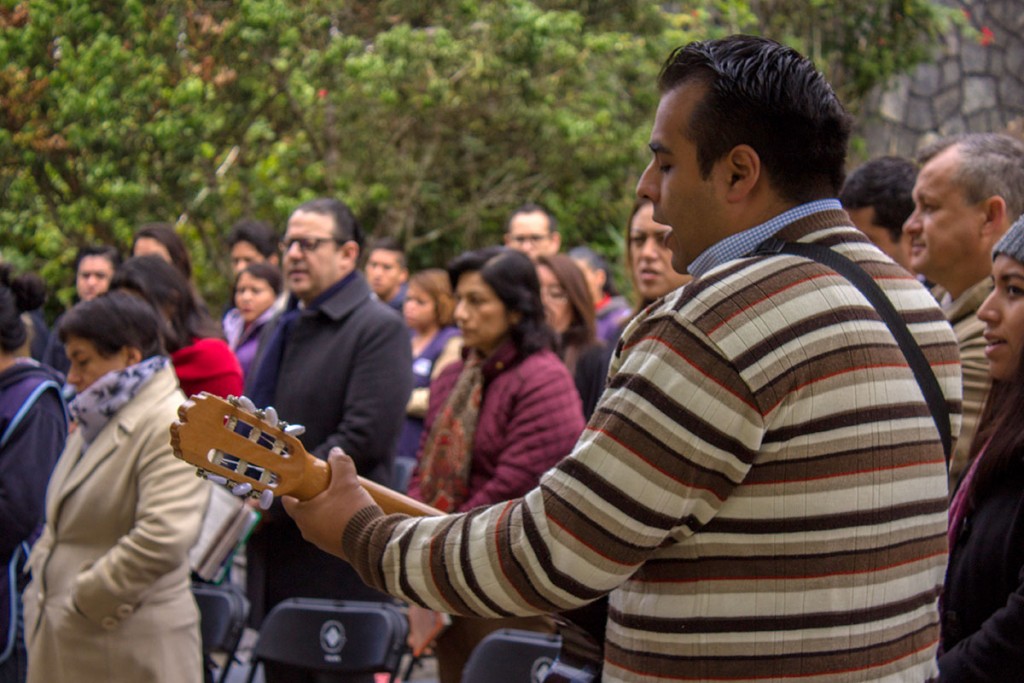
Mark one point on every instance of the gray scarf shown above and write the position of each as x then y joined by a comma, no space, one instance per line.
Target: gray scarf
93,408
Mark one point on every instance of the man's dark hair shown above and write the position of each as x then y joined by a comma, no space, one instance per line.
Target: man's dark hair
990,165
885,184
513,277
113,321
768,96
165,234
105,250
257,233
388,244
346,226
596,262
531,207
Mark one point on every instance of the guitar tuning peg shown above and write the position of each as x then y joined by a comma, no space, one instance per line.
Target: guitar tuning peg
242,489
265,499
246,404
295,430
270,416
217,479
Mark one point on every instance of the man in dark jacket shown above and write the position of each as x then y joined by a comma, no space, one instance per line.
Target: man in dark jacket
337,362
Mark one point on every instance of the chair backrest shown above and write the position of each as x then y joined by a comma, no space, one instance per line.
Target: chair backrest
340,640
223,611
512,656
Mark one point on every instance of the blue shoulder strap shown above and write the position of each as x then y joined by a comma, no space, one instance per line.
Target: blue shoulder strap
28,402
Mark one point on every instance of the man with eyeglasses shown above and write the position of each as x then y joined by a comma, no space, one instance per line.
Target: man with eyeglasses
533,230
337,362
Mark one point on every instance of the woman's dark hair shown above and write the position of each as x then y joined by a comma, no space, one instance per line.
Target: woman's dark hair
513,278
434,282
582,332
171,295
113,321
165,234
17,295
267,272
999,427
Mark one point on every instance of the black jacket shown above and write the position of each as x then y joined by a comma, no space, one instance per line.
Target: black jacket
983,602
345,375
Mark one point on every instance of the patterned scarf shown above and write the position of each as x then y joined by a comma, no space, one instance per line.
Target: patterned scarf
448,451
93,408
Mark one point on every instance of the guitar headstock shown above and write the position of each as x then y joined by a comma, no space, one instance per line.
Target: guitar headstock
224,438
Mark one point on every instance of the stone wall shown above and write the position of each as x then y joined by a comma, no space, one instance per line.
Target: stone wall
975,84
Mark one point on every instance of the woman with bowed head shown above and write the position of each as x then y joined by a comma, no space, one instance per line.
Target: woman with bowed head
499,417
569,310
110,597
982,607
436,343
202,359
257,287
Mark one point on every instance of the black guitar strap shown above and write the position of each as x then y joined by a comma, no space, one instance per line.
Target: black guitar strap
874,294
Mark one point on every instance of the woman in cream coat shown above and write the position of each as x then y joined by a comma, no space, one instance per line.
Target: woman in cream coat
110,598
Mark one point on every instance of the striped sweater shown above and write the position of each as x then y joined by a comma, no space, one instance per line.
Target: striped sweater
761,489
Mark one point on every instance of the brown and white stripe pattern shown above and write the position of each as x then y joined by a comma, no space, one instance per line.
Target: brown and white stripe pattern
762,489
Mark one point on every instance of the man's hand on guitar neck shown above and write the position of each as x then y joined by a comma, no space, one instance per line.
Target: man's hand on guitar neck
324,518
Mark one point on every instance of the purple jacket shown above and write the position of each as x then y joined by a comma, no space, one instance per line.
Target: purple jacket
530,418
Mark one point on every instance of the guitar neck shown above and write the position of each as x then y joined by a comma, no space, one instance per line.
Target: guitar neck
395,502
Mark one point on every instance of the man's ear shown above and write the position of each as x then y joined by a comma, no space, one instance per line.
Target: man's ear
350,250
996,221
741,168
556,239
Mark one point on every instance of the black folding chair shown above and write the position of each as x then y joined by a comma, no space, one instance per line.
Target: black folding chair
223,610
330,641
512,656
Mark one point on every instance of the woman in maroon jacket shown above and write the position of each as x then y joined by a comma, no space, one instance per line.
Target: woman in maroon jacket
498,418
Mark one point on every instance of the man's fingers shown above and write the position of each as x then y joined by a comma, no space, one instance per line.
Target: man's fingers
343,468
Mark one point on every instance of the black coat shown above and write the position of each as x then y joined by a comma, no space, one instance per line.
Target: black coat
345,375
983,602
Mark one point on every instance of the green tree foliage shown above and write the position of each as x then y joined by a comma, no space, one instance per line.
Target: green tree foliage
432,119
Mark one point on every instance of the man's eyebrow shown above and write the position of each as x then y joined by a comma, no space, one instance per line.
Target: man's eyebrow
659,148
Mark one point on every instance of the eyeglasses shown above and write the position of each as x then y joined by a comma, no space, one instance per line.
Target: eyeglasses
306,244
529,239
554,293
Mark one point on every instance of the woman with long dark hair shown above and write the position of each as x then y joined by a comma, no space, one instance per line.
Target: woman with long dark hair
499,417
569,310
983,601
648,258
202,359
